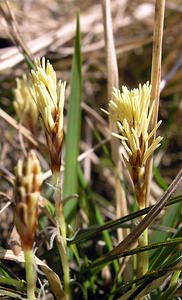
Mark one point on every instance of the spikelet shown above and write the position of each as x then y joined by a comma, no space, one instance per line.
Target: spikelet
24,104
27,186
131,112
49,96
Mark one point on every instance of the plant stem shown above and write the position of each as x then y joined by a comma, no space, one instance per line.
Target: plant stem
143,257
30,274
155,93
59,207
173,286
174,278
155,82
61,238
65,265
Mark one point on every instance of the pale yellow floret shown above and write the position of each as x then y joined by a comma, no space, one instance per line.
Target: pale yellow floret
142,125
155,144
119,136
154,130
135,137
127,148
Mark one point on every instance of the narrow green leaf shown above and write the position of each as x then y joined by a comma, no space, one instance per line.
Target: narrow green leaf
162,255
6,272
106,259
106,236
173,260
19,284
8,294
169,266
169,293
28,60
159,178
85,234
91,206
170,219
73,131
147,285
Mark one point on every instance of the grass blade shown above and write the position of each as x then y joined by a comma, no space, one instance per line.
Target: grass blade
161,256
73,130
92,231
102,260
170,219
91,206
151,275
148,219
159,178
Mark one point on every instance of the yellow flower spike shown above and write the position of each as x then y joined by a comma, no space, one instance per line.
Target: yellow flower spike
27,191
131,111
24,104
49,95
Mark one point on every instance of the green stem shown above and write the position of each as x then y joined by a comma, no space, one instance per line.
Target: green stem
61,238
65,266
174,278
173,286
30,274
143,256
141,193
59,208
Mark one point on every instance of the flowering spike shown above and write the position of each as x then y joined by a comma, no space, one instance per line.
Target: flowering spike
49,96
24,104
28,182
131,112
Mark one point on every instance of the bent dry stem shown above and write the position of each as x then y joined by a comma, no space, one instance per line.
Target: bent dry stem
61,237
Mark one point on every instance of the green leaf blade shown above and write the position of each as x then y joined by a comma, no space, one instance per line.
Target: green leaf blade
70,185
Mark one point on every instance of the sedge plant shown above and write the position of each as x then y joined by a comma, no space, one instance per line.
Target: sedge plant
49,96
132,112
27,186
